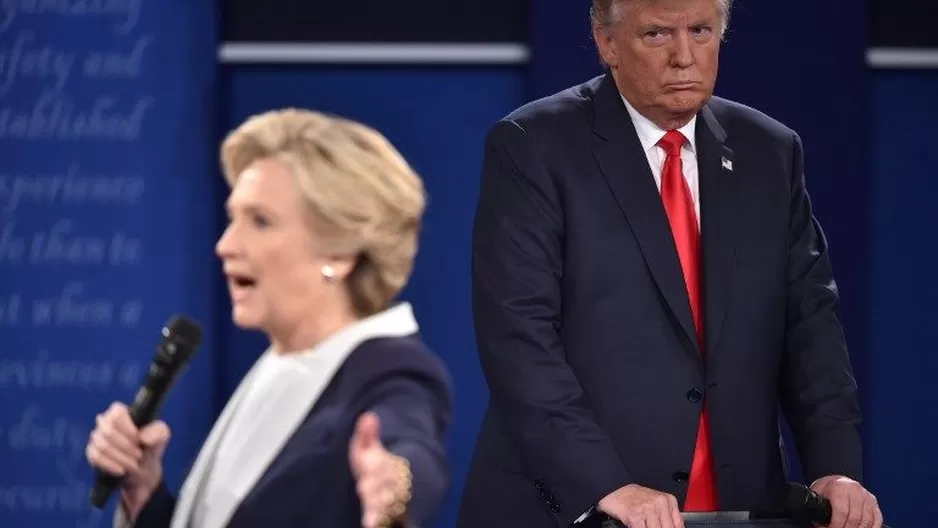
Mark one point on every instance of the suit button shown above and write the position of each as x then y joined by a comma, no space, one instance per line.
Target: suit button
680,476
695,395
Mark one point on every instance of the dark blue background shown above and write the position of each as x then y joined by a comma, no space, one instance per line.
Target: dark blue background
374,21
902,23
55,377
869,139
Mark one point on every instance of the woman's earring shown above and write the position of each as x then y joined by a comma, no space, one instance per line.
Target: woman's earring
328,272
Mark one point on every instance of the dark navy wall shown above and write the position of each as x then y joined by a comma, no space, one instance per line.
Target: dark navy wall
481,21
869,138
901,402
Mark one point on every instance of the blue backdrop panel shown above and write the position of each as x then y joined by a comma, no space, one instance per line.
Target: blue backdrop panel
438,118
901,402
103,182
815,86
562,48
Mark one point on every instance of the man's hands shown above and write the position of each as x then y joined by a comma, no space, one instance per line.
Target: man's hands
851,504
638,507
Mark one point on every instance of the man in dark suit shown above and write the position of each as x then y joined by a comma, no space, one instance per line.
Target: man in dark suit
637,357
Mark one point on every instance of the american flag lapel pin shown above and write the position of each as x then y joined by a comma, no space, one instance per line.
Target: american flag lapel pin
727,164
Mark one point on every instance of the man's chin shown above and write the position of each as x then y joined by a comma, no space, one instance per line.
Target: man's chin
687,102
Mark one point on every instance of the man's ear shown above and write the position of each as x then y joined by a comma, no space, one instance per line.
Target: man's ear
606,45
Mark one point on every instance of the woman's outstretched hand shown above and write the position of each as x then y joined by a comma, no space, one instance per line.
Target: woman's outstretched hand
383,478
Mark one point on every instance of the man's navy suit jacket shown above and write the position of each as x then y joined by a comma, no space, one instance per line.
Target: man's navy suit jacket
584,326
309,483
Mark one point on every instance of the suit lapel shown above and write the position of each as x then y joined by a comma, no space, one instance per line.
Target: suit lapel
278,416
624,165
193,484
279,413
718,211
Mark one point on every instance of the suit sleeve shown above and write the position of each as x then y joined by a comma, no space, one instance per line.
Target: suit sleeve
819,392
517,268
415,413
156,513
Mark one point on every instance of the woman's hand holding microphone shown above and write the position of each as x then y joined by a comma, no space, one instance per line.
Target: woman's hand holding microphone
117,447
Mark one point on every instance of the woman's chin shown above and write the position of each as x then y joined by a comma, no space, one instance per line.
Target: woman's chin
244,318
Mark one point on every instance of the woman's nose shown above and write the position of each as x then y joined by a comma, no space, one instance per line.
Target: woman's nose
225,248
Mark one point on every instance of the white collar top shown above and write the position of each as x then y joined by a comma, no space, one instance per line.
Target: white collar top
270,403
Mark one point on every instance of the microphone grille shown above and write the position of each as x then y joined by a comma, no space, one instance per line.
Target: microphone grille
183,330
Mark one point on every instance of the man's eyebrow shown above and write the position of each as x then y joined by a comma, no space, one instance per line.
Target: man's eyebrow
654,26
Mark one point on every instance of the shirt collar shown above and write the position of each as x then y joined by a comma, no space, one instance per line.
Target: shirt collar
649,134
396,321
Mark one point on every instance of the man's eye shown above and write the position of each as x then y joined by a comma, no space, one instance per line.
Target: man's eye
260,221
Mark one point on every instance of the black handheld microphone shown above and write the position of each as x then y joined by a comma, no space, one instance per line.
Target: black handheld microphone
181,337
804,504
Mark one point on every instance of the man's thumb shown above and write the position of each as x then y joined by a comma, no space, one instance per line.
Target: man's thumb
154,437
367,431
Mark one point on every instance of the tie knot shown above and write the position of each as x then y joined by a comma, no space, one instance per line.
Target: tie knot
672,143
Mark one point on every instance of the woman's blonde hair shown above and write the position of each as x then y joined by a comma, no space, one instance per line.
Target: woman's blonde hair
364,198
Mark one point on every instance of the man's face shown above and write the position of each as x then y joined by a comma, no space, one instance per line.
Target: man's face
664,55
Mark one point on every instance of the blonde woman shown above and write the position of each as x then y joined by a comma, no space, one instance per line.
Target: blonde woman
341,421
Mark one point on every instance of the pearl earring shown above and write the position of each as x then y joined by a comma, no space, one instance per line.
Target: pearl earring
328,272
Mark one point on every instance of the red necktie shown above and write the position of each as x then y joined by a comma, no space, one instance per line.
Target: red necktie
679,205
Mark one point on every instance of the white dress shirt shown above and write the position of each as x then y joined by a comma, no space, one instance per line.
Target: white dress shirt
649,134
268,373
